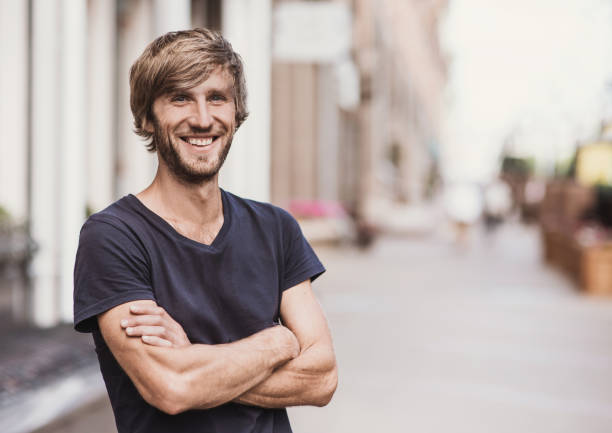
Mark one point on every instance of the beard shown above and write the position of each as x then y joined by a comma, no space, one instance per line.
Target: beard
195,173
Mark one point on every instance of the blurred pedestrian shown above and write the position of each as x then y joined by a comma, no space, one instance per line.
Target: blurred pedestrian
497,204
184,285
463,204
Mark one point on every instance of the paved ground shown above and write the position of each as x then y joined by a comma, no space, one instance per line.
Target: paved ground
435,338
44,374
32,358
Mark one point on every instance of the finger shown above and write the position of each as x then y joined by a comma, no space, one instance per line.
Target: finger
146,309
144,320
155,341
138,331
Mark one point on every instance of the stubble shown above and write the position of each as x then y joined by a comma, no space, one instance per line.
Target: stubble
195,174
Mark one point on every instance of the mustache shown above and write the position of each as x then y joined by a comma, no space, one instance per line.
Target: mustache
195,130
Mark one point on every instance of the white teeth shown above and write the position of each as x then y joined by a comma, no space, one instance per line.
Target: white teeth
200,141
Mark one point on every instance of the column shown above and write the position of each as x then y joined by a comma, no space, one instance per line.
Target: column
44,159
328,134
101,100
14,108
14,51
73,79
305,132
135,166
247,25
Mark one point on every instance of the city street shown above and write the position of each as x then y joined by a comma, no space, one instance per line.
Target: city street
427,130
433,337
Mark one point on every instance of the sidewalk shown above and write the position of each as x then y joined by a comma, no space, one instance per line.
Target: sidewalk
433,337
45,374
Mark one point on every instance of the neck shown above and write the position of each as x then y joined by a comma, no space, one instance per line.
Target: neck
174,200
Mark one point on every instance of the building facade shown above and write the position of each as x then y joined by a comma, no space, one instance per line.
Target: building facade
344,99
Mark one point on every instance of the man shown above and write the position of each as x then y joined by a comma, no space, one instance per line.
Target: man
185,286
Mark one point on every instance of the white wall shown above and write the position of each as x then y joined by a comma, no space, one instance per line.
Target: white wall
246,24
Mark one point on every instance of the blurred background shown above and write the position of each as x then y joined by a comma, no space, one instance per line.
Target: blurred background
449,160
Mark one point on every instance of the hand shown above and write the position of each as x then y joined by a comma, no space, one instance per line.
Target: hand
154,326
287,340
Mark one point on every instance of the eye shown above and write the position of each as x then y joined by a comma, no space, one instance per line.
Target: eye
179,98
217,97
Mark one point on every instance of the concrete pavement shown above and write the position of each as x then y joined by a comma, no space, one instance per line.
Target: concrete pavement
433,337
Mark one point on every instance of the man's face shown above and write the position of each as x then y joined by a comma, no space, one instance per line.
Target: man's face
193,128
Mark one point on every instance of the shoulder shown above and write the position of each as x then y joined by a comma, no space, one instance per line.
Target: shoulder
264,212
117,221
121,212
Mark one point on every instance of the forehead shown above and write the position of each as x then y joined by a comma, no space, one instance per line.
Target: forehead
219,79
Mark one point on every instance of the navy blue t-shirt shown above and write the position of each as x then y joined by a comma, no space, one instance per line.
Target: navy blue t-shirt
219,293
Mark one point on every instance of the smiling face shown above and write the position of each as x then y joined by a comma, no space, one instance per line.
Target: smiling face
193,128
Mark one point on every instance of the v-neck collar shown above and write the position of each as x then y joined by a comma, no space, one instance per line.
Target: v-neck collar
167,227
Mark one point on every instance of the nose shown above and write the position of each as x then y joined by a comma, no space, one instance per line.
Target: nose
201,117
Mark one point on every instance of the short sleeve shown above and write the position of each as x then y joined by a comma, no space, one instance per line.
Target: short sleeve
300,261
111,268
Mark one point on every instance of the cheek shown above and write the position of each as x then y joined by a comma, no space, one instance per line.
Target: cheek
228,114
170,117
229,120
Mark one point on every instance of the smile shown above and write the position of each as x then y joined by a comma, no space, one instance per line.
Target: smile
199,141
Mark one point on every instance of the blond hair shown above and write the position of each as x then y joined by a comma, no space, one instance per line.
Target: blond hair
181,60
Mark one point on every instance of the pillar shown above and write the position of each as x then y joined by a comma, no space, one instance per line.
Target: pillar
247,25
44,159
72,144
101,100
14,108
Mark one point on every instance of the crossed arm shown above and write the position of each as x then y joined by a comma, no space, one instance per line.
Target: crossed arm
287,365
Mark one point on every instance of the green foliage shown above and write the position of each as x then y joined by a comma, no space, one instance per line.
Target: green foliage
523,167
5,217
565,168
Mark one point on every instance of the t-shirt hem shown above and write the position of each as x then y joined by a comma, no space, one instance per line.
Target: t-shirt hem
82,322
309,274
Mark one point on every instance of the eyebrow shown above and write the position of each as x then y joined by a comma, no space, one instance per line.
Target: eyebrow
229,90
189,90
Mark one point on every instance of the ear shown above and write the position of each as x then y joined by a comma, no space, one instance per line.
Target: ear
147,125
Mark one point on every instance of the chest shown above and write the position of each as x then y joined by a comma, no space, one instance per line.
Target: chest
204,234
219,296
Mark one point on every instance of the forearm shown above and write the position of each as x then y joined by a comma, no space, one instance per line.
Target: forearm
309,379
213,375
200,376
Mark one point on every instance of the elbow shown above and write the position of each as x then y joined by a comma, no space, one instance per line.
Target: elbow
329,383
176,396
169,395
170,406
